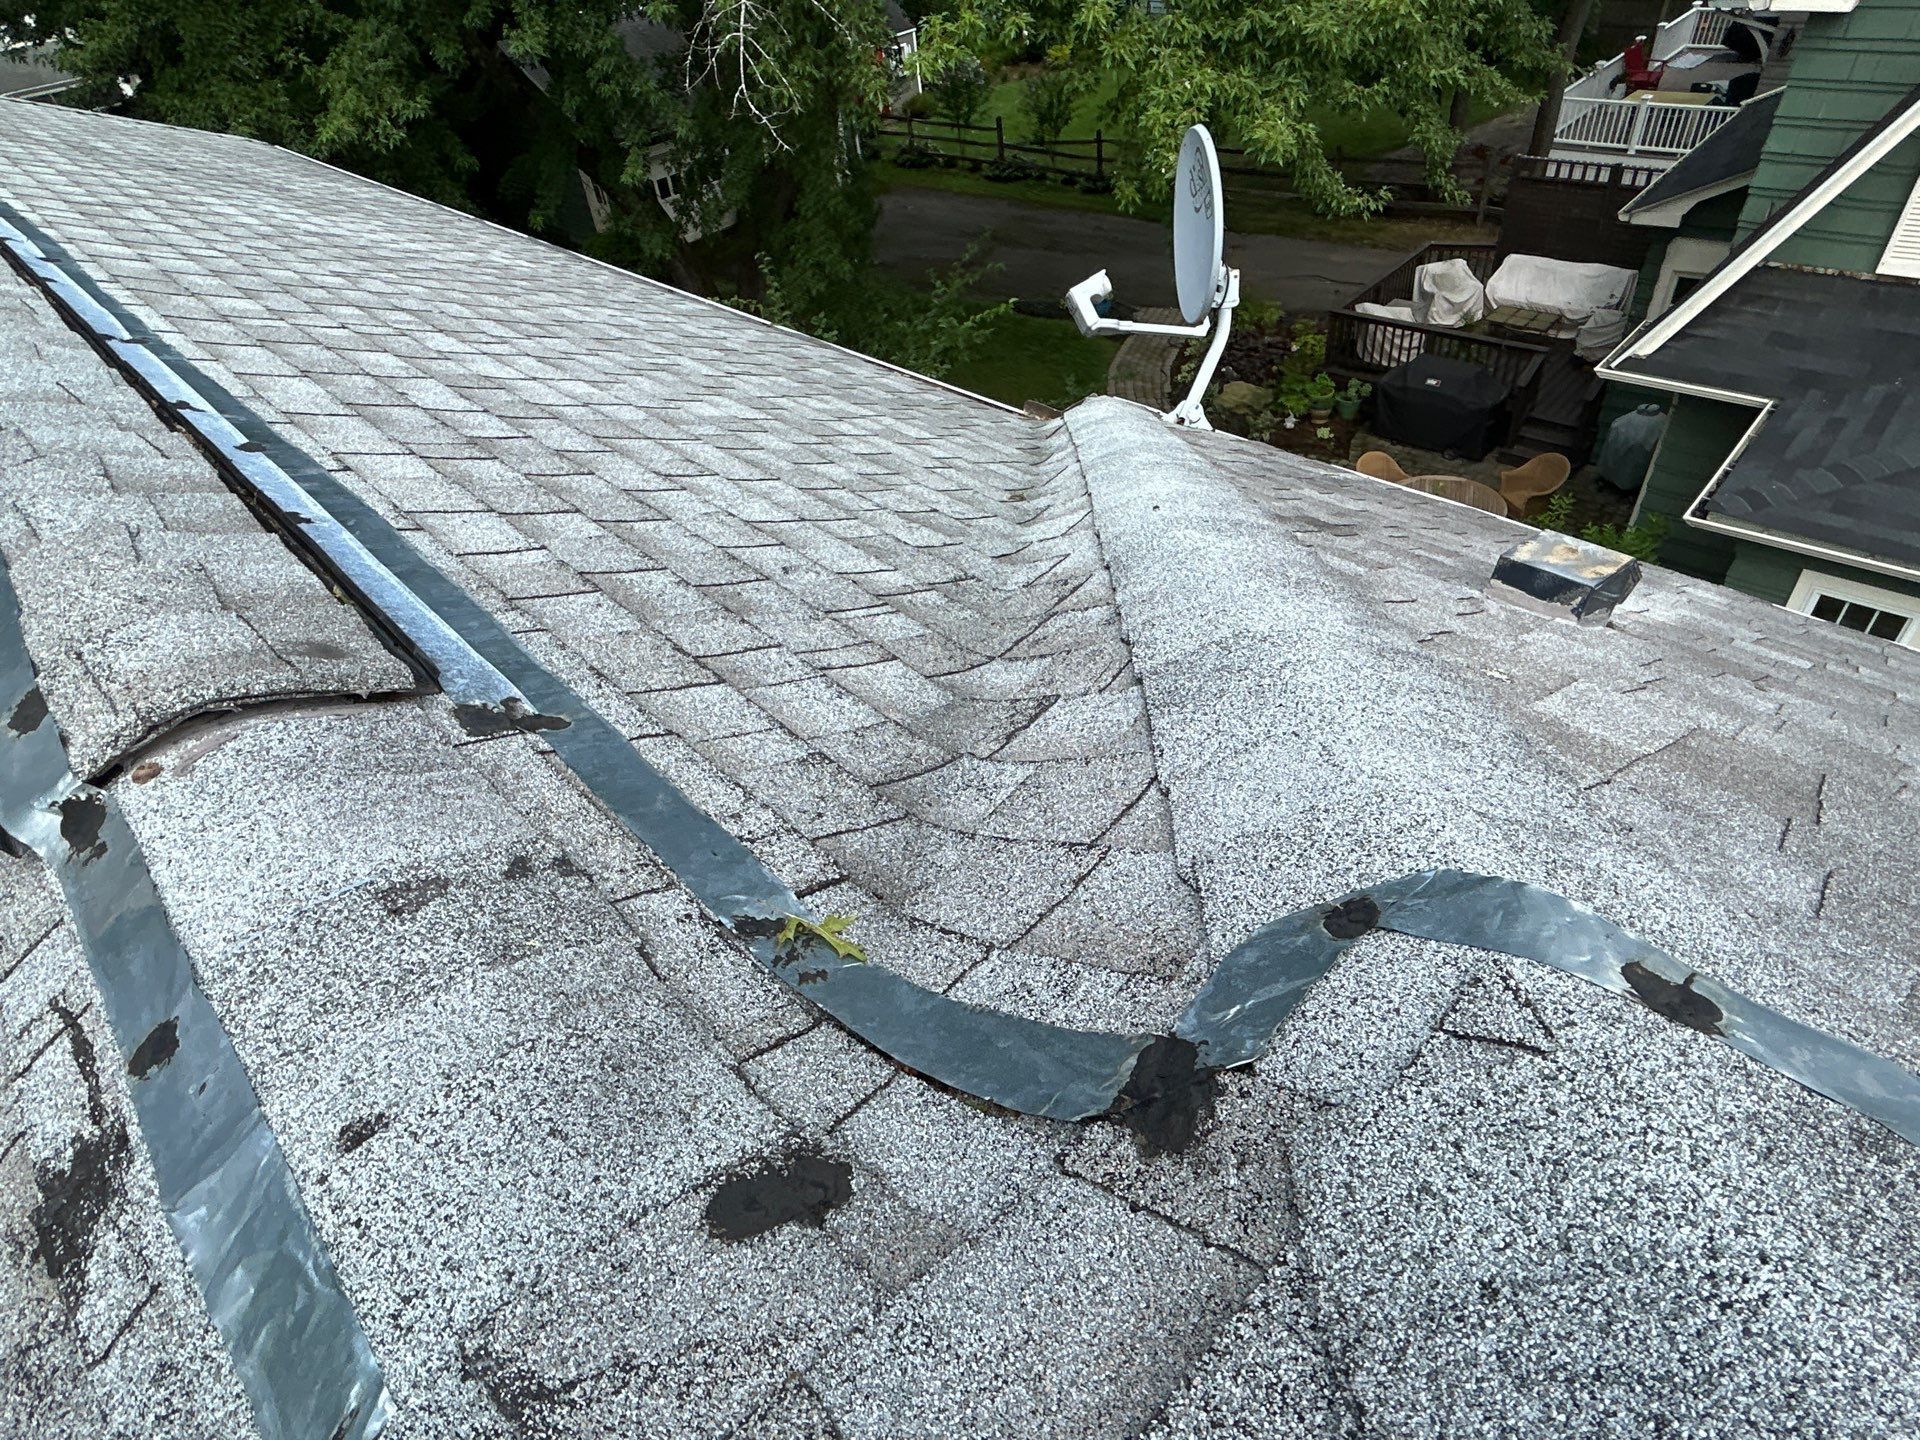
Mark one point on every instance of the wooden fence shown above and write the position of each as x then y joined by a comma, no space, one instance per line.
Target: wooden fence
980,145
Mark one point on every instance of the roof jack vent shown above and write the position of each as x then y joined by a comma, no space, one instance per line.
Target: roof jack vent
1558,575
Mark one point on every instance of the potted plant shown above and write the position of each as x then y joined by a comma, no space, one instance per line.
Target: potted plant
1347,402
1320,399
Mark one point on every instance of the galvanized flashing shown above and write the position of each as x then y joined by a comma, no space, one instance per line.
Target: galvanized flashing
167,381
224,1183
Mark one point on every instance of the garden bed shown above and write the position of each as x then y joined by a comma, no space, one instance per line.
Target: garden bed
1272,386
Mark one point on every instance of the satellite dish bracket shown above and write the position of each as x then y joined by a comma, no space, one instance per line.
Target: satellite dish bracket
1084,298
1209,290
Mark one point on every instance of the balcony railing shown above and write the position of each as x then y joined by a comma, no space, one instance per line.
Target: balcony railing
1594,118
1636,127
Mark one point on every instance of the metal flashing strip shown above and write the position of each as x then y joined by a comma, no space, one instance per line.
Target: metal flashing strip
465,676
224,1183
1234,1018
1021,1064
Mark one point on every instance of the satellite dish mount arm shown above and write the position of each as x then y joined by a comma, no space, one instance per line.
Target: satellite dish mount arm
1084,299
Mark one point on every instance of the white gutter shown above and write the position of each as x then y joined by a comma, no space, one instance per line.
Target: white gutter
1770,238
1695,516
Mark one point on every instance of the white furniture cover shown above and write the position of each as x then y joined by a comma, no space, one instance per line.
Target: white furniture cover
1567,287
1447,293
1379,345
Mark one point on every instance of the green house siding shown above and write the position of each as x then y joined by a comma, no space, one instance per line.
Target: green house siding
1700,435
1848,71
1771,574
1709,220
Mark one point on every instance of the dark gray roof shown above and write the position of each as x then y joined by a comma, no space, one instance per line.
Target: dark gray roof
649,39
1730,153
31,71
1060,711
1837,462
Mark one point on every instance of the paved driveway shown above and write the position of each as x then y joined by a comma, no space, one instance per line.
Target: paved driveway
1044,250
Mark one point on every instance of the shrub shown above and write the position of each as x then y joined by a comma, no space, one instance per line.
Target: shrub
1641,541
1047,100
1014,168
916,157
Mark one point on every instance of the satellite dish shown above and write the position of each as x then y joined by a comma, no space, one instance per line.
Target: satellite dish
1199,229
1209,292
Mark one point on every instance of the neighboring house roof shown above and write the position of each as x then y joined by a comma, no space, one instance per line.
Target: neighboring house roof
1825,359
1060,711
1724,161
30,72
649,39
1836,459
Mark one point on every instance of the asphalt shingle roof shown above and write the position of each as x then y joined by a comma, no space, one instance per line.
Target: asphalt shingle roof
1060,711
1837,462
1729,153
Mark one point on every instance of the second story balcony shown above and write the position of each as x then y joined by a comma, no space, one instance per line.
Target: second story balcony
1657,100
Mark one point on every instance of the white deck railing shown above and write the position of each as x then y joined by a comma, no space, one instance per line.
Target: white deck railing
1594,118
1636,127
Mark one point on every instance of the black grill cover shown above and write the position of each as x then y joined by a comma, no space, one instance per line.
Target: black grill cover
1439,404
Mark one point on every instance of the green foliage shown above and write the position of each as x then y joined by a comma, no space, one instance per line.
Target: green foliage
931,330
959,89
1642,541
1557,513
829,930
1301,384
1260,74
498,106
1047,98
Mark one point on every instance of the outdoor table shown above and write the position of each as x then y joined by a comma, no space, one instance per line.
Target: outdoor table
1459,487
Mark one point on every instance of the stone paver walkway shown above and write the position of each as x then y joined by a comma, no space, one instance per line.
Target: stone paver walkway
1142,370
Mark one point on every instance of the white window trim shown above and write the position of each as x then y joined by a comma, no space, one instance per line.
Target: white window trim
1812,584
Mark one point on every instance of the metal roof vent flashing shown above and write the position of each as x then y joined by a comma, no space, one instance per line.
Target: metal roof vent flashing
1558,575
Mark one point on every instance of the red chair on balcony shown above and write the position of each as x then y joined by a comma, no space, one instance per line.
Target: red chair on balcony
1637,71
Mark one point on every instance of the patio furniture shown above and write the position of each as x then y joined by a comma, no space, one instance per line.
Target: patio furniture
1381,466
1461,489
1540,476
1637,71
1519,322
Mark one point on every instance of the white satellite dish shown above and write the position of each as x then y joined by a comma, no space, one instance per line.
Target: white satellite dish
1199,233
1208,290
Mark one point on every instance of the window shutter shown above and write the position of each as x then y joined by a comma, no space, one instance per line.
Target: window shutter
1903,250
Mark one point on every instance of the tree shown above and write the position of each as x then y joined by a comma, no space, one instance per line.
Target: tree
1546,120
959,88
497,106
1047,98
1260,74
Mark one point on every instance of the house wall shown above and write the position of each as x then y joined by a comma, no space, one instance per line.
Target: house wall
1710,220
1700,435
1771,574
1848,71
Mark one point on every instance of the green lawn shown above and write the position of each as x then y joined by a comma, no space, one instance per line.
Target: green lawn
1027,358
1364,136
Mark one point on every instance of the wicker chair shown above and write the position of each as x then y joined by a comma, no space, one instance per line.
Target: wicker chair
1539,477
1381,466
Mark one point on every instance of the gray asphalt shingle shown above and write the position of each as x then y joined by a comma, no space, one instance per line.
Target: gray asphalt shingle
1058,712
